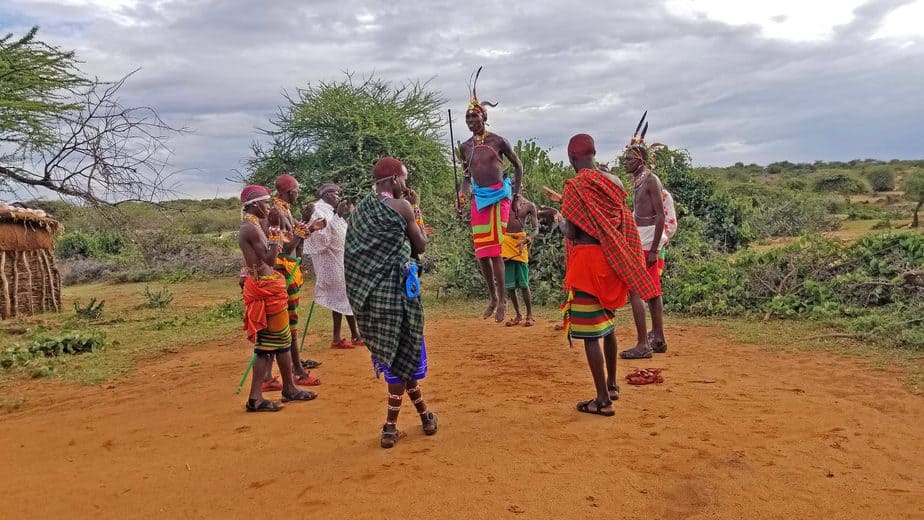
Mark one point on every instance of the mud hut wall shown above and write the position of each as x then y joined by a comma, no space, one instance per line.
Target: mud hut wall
29,280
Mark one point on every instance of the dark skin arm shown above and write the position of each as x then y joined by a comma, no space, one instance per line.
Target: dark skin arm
466,187
416,235
653,192
532,214
507,151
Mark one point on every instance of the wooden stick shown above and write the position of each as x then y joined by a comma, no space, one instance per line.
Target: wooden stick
5,311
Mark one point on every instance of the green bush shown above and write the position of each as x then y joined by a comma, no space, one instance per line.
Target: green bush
881,177
782,213
74,244
34,354
157,299
725,216
97,244
864,211
92,311
865,287
840,181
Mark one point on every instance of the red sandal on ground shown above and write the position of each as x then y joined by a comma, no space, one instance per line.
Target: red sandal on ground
645,376
273,385
305,380
358,342
342,344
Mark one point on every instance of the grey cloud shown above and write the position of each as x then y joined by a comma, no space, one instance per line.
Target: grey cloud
725,93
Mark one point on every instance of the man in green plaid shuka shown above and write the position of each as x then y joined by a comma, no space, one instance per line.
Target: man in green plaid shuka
384,231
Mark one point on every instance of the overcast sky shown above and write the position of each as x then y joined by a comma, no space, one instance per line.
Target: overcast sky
755,81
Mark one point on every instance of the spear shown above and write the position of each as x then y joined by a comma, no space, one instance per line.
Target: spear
455,172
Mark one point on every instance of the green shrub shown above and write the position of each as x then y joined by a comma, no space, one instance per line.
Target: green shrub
157,299
34,354
74,244
233,308
881,178
840,181
864,287
780,213
864,211
882,224
92,311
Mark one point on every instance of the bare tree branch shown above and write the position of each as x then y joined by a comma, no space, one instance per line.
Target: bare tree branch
104,153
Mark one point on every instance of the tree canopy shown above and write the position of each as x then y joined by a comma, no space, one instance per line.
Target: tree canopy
63,132
336,131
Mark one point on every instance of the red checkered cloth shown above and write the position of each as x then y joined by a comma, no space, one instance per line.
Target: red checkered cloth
595,204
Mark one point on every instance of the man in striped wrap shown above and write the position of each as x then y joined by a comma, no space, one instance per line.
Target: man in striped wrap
266,318
384,230
603,263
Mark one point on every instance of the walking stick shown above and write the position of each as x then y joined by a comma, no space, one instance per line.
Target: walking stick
455,173
246,373
307,321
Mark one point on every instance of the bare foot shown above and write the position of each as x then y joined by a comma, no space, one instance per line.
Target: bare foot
501,311
490,310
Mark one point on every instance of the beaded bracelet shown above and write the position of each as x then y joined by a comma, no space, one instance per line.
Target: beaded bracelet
301,229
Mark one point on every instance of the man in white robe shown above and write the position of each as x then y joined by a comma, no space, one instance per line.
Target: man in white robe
326,250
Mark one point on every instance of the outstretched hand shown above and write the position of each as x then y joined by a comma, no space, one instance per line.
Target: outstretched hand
551,194
317,225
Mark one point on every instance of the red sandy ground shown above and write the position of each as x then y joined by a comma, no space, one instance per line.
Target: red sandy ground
734,432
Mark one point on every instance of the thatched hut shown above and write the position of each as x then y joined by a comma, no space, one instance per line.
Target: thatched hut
29,279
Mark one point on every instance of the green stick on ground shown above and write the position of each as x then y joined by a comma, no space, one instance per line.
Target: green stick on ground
307,321
240,385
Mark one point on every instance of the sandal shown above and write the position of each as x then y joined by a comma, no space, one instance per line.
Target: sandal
429,422
342,344
358,342
273,385
584,407
530,321
512,322
301,395
265,406
309,364
614,392
389,436
306,380
658,347
645,377
636,353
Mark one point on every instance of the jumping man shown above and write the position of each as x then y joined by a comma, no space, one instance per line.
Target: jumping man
483,176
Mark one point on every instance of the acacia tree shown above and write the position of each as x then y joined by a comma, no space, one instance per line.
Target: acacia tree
65,133
335,131
914,191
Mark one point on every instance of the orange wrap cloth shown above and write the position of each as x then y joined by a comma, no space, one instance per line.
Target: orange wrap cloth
589,272
263,297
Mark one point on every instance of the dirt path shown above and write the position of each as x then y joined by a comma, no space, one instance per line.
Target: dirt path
734,432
